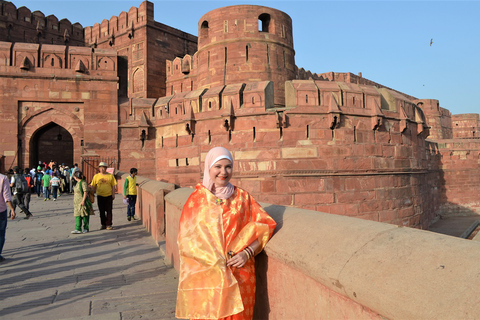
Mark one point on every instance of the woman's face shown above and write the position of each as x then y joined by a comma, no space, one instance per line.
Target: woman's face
221,172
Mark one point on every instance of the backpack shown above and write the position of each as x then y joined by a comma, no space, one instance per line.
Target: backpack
21,184
29,180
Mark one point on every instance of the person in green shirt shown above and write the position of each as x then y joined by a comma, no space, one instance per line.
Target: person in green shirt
46,186
130,193
104,184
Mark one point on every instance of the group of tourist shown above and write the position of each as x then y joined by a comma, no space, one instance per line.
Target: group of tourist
221,230
103,184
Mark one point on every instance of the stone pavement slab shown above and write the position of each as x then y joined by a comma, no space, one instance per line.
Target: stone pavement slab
104,274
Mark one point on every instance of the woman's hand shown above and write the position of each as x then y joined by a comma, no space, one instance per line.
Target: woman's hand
238,260
82,203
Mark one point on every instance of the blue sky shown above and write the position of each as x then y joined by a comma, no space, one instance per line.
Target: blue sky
388,41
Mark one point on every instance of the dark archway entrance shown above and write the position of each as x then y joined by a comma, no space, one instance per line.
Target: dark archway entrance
51,142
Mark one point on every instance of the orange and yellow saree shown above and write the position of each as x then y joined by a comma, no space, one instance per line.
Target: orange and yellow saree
209,229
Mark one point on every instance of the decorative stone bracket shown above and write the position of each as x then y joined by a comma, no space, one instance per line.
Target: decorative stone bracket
403,120
378,116
334,113
228,119
130,31
143,128
66,36
190,122
422,128
282,119
26,64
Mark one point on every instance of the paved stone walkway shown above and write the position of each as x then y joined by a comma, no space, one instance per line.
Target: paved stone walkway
105,274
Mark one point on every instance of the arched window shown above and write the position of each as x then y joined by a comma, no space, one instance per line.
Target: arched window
264,22
204,29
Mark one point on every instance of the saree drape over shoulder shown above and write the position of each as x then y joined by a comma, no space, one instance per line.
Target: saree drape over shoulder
210,228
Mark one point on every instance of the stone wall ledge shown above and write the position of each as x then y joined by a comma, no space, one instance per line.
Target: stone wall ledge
359,268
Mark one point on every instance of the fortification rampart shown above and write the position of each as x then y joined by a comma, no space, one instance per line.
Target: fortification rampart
22,25
330,141
459,176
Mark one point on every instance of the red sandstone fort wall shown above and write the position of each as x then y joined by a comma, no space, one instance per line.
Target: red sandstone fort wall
72,87
143,46
338,147
22,25
438,119
466,125
459,176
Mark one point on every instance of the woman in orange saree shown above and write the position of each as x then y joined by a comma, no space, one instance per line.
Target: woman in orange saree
222,228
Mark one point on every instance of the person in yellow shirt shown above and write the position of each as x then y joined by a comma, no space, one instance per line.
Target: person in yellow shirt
130,193
103,184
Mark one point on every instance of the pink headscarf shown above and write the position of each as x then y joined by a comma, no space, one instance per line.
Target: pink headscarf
214,155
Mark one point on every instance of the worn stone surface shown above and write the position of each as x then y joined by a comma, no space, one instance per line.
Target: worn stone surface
50,273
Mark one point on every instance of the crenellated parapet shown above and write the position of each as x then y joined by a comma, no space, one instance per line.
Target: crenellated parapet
22,25
341,99
353,78
124,23
31,58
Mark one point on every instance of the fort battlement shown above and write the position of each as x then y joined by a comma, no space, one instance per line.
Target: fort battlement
124,23
22,25
316,152
143,45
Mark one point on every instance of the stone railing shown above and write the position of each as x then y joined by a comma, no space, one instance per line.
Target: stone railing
320,265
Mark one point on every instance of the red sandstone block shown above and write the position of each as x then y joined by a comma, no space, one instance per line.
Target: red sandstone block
279,199
252,186
323,208
372,216
302,199
406,212
352,164
358,150
401,163
387,216
295,184
373,150
267,186
373,206
294,135
356,196
344,209
353,184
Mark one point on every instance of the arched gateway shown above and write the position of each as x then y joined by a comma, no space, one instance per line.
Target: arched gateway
51,133
51,142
